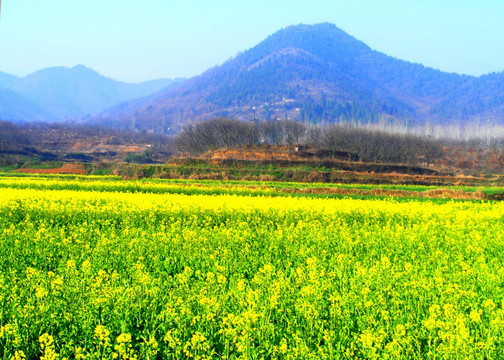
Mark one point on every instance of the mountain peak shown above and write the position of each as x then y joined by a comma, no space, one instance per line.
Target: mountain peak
319,74
58,72
83,69
324,27
324,40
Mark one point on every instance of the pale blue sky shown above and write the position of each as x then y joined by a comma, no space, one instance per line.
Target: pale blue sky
136,40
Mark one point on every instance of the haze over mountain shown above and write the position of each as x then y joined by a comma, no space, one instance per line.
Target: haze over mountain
15,107
66,93
318,74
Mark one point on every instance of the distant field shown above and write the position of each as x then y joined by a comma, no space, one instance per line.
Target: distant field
98,267
330,172
236,187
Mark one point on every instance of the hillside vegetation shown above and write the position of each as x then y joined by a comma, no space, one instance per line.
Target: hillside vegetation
318,74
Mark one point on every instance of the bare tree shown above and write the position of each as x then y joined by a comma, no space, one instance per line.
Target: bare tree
270,133
12,137
215,133
294,132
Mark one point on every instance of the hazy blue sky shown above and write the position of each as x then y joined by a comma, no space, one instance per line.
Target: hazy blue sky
135,40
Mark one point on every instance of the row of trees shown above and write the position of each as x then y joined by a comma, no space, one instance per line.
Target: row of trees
222,132
11,137
360,144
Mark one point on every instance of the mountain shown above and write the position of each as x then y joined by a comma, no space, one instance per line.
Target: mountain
318,74
64,93
6,80
17,108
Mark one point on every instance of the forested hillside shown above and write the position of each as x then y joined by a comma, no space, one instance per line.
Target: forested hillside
317,74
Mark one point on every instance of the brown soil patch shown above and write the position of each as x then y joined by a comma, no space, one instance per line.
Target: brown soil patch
288,156
130,148
455,179
67,168
93,147
251,154
436,193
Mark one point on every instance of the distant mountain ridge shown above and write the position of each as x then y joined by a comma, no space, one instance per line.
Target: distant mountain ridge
15,107
66,93
317,74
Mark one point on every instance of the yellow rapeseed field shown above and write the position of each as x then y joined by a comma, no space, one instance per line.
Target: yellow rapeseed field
115,275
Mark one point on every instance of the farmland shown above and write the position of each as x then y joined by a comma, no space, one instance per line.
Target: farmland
98,267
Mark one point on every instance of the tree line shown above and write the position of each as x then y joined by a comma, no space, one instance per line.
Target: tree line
360,144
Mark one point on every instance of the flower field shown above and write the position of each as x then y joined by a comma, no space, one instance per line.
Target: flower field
93,270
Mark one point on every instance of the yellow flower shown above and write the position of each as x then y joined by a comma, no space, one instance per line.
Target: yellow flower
18,355
123,338
475,316
47,347
102,334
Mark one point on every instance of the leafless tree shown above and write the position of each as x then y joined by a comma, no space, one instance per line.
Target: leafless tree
215,133
12,137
